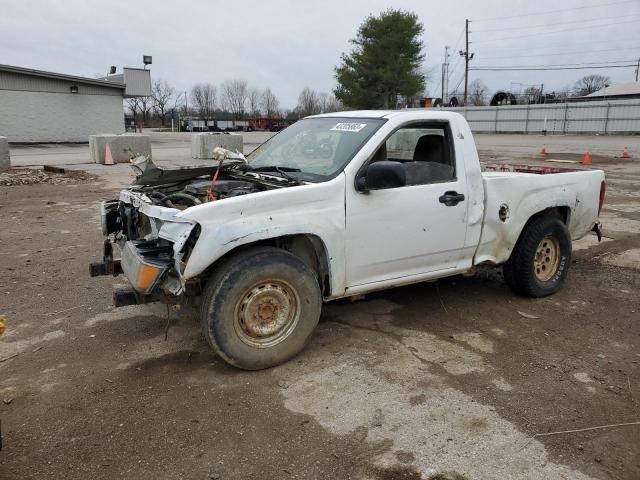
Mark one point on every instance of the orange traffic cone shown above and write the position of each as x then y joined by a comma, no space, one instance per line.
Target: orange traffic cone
625,154
544,150
587,159
108,158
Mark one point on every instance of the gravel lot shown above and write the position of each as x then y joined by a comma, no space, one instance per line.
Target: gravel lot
449,380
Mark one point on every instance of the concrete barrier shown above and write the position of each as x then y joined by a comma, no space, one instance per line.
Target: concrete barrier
123,147
5,159
202,144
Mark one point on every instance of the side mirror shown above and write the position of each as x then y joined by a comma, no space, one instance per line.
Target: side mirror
381,175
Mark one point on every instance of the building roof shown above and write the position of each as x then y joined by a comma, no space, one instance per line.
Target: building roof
61,76
617,89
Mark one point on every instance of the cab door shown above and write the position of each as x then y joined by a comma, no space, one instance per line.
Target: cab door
412,229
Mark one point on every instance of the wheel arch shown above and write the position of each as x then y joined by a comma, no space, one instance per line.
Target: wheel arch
308,247
561,212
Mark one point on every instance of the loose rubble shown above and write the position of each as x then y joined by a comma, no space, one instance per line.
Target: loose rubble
30,176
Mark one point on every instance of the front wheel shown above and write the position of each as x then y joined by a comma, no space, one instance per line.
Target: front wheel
260,308
540,260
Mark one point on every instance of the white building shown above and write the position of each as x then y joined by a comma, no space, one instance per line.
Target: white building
38,106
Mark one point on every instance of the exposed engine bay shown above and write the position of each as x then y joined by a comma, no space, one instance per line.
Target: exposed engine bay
189,186
199,191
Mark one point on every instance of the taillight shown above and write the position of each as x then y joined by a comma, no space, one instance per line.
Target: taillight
603,190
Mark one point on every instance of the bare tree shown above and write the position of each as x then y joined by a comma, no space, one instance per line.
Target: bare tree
327,103
234,96
478,93
332,104
309,102
203,96
590,83
161,93
323,98
145,106
253,102
269,103
134,105
563,93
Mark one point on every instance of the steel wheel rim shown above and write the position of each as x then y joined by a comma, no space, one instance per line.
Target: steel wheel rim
267,313
547,259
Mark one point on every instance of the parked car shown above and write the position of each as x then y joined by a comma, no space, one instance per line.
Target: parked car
334,206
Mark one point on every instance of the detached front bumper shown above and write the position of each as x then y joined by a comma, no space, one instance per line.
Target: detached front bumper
152,261
144,264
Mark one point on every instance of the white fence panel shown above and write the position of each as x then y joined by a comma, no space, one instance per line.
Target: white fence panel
615,116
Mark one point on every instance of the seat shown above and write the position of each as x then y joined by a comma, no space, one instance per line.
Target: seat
430,148
429,162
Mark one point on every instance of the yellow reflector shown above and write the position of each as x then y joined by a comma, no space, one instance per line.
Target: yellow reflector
146,275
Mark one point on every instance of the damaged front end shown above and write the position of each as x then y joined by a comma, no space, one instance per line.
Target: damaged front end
154,241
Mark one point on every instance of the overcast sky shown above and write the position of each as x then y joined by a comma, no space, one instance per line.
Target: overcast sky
289,44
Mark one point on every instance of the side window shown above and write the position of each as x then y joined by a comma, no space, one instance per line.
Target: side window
423,151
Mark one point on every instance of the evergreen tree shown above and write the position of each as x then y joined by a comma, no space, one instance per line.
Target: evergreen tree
384,65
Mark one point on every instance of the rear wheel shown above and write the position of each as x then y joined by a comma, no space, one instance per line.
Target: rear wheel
260,308
540,260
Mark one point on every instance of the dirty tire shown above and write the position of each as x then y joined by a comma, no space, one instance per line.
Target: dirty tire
523,273
260,307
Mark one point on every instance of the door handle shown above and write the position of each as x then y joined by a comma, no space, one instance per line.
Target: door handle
451,198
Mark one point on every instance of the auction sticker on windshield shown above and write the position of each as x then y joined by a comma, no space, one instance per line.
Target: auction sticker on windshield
349,127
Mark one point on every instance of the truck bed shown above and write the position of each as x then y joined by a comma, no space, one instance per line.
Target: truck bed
524,168
518,193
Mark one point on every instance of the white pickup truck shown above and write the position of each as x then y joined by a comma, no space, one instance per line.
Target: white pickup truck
334,206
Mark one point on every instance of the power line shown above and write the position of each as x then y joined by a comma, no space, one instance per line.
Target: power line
580,45
545,25
458,41
439,84
548,12
566,64
560,54
459,83
455,49
455,65
523,69
553,32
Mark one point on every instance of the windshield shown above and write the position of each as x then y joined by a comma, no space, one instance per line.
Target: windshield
314,149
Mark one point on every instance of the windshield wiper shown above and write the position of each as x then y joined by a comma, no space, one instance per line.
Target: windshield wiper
281,170
271,168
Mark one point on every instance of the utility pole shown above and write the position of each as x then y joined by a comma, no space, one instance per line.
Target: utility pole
637,69
446,79
445,75
186,108
467,58
442,82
